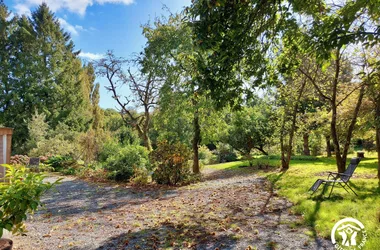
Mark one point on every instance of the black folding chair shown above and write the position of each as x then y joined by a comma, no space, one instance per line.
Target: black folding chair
341,179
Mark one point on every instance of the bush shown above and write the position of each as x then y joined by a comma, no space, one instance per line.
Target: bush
109,149
122,165
20,196
171,163
22,160
63,164
140,176
206,156
94,172
225,153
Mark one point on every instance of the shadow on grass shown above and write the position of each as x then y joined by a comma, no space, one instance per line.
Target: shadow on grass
273,178
236,171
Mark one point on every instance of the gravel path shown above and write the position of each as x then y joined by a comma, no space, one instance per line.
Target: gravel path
228,210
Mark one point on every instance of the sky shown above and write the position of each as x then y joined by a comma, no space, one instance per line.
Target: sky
100,25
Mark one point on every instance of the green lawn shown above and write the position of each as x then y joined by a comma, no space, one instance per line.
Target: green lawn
322,213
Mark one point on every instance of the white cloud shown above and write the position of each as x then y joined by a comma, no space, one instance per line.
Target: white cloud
22,9
79,27
73,30
75,6
91,56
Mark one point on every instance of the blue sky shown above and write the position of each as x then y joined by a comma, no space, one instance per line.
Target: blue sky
99,25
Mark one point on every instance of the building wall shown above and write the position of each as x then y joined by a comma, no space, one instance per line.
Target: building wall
5,148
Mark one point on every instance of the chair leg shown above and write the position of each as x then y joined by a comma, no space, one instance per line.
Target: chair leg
351,189
343,186
332,188
324,188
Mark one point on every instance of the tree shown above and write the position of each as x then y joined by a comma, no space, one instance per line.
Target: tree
371,75
144,87
41,73
329,88
251,128
243,39
170,52
290,96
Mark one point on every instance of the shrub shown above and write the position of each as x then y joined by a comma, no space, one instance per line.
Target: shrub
206,156
171,163
22,160
63,164
94,172
109,149
41,168
140,176
122,165
91,143
225,153
58,161
20,196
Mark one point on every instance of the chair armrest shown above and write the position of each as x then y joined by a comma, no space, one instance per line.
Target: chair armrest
344,174
332,172
334,175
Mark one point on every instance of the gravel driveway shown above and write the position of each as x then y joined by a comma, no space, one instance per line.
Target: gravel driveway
228,210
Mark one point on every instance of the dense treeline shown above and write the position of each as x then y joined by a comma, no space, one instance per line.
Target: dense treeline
40,72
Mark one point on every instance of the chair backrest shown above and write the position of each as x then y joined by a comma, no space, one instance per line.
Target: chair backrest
34,161
350,169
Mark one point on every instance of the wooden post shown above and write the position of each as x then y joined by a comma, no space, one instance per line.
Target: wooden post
5,148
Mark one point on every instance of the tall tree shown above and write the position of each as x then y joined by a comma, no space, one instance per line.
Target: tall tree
371,75
144,87
43,75
171,53
329,87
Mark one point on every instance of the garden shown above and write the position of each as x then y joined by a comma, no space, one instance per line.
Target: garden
237,125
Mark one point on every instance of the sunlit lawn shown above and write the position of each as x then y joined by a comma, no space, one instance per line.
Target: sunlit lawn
318,211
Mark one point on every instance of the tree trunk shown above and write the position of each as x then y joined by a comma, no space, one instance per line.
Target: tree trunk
196,141
284,163
341,156
306,149
328,146
377,126
147,142
285,156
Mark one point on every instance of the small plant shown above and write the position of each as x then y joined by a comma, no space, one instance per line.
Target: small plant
19,196
122,165
60,162
171,163
141,176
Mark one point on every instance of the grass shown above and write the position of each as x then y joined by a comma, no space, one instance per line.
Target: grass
318,212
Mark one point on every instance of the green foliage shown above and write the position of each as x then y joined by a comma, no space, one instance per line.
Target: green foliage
320,213
251,128
122,164
41,72
46,141
19,196
225,153
90,144
141,176
109,149
60,163
170,162
206,156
